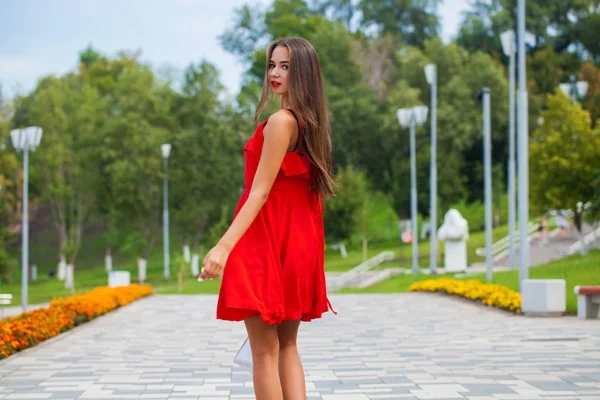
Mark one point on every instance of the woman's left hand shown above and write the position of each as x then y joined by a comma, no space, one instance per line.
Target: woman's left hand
214,262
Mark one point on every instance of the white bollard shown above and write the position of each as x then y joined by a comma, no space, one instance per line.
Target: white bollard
544,297
142,263
108,262
195,264
119,278
186,253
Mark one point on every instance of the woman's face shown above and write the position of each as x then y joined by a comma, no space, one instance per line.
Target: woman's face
278,70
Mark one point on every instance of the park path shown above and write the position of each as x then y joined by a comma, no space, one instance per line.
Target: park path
542,252
402,346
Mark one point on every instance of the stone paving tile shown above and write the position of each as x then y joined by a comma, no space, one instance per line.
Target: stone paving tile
404,346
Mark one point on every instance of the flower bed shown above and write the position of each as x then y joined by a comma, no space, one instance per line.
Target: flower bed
486,293
32,327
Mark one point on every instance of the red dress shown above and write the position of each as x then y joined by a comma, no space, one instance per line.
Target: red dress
276,270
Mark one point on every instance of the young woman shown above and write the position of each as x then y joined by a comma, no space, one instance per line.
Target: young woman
272,255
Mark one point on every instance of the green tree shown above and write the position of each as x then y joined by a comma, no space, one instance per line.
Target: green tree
558,24
70,113
482,26
342,213
89,56
564,154
207,160
248,33
591,74
8,191
339,10
459,131
104,74
413,21
141,123
375,58
586,29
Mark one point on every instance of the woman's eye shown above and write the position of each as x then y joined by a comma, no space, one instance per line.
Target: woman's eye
285,67
271,66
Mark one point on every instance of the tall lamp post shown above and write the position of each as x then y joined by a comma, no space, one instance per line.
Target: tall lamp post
410,118
523,149
484,95
577,91
431,75
510,49
166,150
24,140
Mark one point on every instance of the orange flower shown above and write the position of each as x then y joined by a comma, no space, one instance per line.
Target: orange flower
32,327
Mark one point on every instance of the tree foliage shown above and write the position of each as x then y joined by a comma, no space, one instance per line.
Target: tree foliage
564,154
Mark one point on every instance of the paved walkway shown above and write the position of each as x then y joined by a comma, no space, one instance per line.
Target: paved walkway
542,252
404,346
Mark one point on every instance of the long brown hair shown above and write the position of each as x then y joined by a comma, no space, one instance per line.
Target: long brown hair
306,96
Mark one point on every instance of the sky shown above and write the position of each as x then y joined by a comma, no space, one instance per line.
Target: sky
39,37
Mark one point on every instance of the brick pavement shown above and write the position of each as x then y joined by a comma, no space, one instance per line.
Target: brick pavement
403,346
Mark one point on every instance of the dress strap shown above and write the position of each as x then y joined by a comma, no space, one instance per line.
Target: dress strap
299,121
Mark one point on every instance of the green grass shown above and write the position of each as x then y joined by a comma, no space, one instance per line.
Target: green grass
575,270
89,272
334,262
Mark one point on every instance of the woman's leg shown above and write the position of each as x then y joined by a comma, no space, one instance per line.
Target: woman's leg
291,372
265,358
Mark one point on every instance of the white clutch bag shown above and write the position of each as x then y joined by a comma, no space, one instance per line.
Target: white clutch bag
243,358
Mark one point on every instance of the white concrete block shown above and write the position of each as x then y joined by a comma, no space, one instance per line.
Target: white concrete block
544,297
119,278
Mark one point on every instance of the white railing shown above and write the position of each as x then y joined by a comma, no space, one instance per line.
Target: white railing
588,239
500,248
361,268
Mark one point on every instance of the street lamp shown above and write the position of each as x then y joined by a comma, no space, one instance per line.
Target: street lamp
166,150
431,75
509,47
25,140
574,89
409,118
484,94
523,149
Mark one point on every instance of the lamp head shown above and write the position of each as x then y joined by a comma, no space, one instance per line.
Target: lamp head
508,42
27,138
431,73
166,150
565,88
404,116
34,135
420,114
582,88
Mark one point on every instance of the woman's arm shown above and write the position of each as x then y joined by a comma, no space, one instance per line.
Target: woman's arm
277,136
